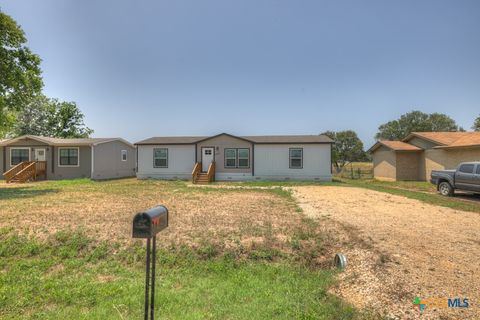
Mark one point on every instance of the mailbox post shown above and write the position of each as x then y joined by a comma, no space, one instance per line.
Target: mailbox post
146,225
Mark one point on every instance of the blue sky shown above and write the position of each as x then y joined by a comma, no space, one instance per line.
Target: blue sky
151,68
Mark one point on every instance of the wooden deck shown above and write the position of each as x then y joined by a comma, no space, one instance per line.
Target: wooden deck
26,171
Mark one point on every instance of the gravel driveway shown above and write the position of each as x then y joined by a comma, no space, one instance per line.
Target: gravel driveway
398,248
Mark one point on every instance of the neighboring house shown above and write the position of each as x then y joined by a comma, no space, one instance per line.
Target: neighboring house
96,158
235,157
417,155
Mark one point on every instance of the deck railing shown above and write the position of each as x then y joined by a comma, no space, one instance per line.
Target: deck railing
9,174
26,170
196,171
211,172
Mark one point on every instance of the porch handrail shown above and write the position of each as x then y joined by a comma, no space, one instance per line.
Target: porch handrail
30,171
196,171
9,174
211,172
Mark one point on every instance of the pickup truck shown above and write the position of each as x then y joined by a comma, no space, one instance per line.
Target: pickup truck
466,178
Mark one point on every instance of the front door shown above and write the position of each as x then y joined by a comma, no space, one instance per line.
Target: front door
40,155
207,158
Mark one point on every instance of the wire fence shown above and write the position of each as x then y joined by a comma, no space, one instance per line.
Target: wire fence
350,172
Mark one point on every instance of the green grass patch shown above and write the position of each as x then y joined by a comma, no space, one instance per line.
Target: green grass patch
72,277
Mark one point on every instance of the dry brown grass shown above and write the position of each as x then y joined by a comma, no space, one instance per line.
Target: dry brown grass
244,221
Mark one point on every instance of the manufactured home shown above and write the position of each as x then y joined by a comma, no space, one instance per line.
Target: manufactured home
419,153
33,157
228,157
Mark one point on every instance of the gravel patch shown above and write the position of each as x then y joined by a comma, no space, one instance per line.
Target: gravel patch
398,248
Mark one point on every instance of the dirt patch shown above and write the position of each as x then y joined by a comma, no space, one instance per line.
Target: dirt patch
399,248
213,220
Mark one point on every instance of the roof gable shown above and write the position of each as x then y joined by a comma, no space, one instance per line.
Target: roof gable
225,134
448,139
395,146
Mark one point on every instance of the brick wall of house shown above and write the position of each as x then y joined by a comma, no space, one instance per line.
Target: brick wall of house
384,164
440,159
408,165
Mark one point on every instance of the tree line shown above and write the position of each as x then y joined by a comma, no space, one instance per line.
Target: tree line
349,148
24,109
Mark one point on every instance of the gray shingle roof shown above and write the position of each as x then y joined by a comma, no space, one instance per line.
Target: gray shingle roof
171,140
290,139
76,141
254,139
65,142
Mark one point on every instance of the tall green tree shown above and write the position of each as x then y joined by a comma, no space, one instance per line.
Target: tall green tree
347,148
67,121
34,118
53,118
20,74
416,121
476,124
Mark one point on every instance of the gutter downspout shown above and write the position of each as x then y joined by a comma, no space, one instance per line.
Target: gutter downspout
253,160
93,163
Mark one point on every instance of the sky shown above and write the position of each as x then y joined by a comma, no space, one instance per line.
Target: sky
252,67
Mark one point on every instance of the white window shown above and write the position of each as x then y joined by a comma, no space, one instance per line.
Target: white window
124,155
160,158
243,158
230,158
19,155
296,158
68,157
237,158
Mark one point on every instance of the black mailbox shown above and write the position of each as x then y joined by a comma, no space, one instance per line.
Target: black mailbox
147,224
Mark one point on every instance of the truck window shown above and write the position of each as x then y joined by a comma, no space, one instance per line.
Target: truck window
466,168
478,168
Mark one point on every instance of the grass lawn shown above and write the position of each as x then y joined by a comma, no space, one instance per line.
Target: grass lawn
70,277
66,253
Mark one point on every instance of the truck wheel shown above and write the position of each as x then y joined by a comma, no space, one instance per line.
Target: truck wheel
445,189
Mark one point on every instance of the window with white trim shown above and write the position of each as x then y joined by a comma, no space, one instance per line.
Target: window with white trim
243,158
160,158
237,158
124,155
68,157
230,158
19,155
296,158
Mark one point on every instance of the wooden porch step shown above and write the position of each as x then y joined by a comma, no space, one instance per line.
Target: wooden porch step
202,178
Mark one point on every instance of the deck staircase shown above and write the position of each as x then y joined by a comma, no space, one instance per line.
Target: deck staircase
199,177
26,171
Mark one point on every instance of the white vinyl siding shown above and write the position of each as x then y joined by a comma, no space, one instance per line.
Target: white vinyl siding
181,159
272,162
